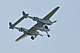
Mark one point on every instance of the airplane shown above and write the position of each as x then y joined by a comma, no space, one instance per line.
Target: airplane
31,32
46,20
41,24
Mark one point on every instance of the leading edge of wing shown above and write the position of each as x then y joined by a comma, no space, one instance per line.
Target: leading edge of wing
48,16
21,37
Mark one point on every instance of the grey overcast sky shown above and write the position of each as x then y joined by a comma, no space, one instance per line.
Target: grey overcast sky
65,34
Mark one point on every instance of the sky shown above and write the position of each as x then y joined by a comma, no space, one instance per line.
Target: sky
65,34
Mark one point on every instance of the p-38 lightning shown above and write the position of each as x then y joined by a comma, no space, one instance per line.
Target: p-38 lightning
40,25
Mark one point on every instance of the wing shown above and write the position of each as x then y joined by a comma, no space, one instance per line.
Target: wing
31,30
21,37
47,17
18,21
34,27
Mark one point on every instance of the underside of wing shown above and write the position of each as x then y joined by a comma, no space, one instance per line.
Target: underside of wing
34,28
18,21
21,37
47,17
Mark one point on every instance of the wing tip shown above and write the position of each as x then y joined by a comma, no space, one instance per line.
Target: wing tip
16,40
58,7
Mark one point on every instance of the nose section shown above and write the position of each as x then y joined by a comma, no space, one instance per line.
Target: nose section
47,28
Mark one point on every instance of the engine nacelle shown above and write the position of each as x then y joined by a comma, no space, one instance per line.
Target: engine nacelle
22,29
44,28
